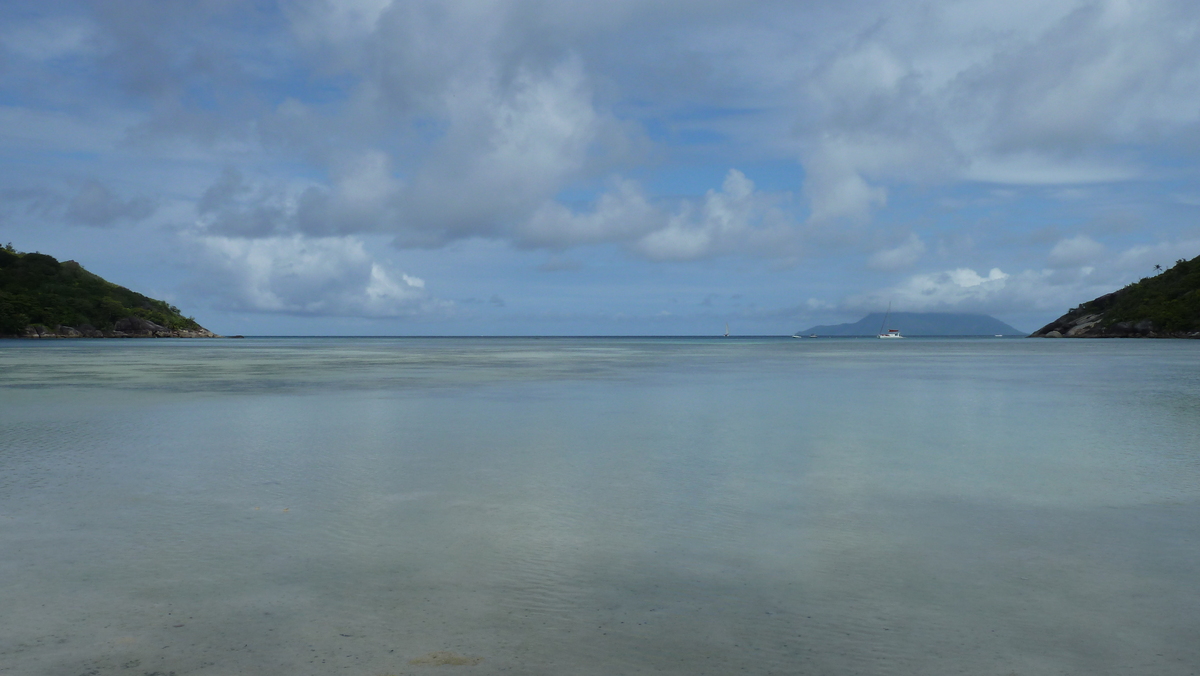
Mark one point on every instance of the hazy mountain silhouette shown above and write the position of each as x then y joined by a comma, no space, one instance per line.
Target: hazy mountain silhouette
920,324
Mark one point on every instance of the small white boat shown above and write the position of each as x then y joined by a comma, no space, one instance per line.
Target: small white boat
726,330
889,333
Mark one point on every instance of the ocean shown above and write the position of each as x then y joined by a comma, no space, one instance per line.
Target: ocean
599,506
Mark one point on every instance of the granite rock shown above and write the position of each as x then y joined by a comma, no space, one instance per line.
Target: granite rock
128,327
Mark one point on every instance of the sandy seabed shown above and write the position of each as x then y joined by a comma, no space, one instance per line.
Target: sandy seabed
557,507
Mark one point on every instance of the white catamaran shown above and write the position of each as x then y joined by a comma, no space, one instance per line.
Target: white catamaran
890,333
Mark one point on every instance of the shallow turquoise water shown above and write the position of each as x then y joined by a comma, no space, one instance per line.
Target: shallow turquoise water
600,506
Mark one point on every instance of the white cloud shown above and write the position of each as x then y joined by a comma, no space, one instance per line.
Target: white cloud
621,213
1140,260
1075,252
1016,93
1035,168
950,288
492,150
364,182
96,205
236,206
723,221
735,219
900,257
93,203
310,276
467,119
1082,269
1086,271
836,188
996,292
336,20
508,147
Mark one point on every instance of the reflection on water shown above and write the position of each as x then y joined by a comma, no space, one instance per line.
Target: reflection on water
599,506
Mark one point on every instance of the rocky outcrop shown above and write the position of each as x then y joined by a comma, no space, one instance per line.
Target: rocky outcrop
1092,326
1091,320
129,327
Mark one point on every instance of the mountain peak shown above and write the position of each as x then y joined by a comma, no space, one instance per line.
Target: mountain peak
920,324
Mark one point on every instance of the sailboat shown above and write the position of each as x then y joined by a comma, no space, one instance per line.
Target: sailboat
726,330
890,333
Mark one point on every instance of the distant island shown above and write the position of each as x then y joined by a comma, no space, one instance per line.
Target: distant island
1164,306
920,324
43,298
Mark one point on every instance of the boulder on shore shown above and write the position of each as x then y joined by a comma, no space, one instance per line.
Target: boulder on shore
1092,326
128,327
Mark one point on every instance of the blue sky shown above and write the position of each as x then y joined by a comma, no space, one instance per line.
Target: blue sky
517,167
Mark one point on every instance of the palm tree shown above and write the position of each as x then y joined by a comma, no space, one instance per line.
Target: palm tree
1158,268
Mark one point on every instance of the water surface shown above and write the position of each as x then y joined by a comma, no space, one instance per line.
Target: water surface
600,506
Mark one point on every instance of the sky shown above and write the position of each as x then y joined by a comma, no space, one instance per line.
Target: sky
628,167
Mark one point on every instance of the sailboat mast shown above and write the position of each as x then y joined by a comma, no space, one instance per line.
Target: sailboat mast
885,318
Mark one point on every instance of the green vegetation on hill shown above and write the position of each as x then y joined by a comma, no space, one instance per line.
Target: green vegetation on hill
35,289
1170,300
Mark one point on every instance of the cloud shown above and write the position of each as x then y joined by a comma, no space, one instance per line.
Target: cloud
1043,93
93,204
363,197
622,213
436,123
994,292
1075,252
1081,269
902,256
1035,168
232,206
96,205
508,146
497,150
1025,292
1103,72
36,201
1140,260
737,219
330,276
951,288
835,185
